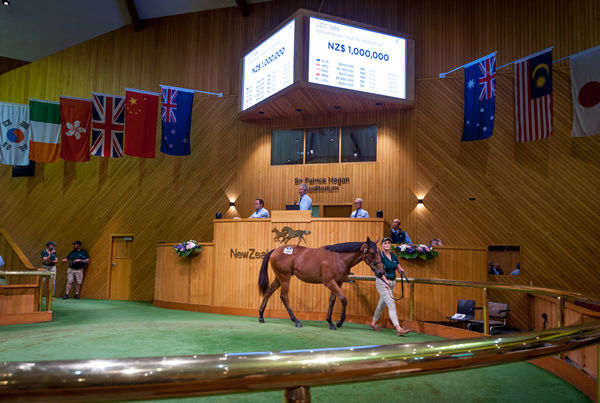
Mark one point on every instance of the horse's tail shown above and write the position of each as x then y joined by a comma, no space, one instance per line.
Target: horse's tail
263,276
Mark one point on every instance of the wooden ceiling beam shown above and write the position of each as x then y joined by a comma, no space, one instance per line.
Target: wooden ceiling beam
138,24
243,6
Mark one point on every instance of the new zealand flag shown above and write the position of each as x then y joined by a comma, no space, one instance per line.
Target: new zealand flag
176,109
480,99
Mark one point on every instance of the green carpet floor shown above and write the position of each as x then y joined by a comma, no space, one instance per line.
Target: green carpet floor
86,329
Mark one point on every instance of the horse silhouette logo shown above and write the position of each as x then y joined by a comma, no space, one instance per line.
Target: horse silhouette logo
286,234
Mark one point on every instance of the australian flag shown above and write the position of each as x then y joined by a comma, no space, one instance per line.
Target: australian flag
176,109
480,98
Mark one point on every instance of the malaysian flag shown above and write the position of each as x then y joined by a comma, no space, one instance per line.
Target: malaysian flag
108,123
480,98
533,96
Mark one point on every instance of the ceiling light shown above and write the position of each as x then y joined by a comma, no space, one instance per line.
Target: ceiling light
5,2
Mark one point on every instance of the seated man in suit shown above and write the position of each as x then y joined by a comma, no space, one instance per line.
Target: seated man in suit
261,211
397,234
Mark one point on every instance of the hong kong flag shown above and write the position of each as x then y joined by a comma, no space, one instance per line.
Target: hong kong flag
140,123
76,125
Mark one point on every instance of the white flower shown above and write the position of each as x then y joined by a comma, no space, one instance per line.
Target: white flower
75,129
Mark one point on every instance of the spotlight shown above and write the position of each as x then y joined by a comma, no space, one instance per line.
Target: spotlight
420,201
5,2
231,204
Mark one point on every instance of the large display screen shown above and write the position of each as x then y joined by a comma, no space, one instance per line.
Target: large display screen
356,59
269,67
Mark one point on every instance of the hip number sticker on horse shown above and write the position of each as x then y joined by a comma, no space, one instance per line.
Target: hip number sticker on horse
289,250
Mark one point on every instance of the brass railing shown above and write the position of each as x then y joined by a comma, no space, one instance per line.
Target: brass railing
293,371
37,273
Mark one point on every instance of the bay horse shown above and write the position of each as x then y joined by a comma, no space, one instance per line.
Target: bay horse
328,265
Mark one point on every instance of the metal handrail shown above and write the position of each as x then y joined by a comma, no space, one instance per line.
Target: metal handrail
294,371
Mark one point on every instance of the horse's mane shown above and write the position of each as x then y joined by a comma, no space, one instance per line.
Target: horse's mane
346,247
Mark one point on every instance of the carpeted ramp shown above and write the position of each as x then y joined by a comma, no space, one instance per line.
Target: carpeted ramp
89,329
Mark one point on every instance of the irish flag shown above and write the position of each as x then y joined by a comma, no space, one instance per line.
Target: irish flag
44,143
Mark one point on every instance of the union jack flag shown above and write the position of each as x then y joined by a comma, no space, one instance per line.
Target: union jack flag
108,124
168,104
488,78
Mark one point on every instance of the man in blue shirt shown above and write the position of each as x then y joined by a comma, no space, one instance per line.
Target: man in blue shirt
305,202
49,261
359,212
397,235
261,211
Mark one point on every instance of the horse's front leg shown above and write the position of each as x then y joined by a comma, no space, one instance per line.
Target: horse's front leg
330,310
336,292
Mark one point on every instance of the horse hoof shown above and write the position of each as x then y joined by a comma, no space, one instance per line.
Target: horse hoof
298,324
339,324
261,320
332,327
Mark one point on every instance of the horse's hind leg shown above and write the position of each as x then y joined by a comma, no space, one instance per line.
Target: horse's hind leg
336,291
285,286
272,288
330,310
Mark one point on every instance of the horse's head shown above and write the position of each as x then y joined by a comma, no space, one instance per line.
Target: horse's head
372,257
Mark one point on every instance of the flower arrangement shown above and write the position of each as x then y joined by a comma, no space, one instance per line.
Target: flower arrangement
188,248
421,251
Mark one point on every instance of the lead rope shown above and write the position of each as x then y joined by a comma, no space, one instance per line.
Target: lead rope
402,275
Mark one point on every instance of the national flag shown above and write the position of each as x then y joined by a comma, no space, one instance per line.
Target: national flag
140,123
585,87
480,98
108,125
44,143
533,96
176,111
76,125
14,134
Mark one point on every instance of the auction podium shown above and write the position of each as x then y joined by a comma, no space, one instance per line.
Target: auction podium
223,278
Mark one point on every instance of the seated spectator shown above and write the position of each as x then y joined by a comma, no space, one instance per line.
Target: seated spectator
397,234
359,212
261,211
496,270
517,271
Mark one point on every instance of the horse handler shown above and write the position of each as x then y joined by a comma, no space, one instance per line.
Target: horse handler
385,287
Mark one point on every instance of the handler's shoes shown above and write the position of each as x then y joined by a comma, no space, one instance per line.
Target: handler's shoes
376,328
77,296
402,332
66,296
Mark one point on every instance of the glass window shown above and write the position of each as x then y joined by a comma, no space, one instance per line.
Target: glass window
322,145
287,147
359,143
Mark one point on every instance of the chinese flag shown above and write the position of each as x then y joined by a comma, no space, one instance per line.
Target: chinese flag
76,125
140,123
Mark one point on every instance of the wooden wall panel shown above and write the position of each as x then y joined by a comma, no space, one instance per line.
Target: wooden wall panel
541,196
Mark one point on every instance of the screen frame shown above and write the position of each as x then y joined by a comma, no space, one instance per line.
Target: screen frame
409,54
297,57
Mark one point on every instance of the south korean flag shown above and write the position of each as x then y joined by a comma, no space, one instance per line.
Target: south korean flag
14,134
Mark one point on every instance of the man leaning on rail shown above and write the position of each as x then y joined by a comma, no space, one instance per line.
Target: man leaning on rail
77,258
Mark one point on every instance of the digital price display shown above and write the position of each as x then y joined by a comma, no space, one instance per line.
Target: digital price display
356,59
269,67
